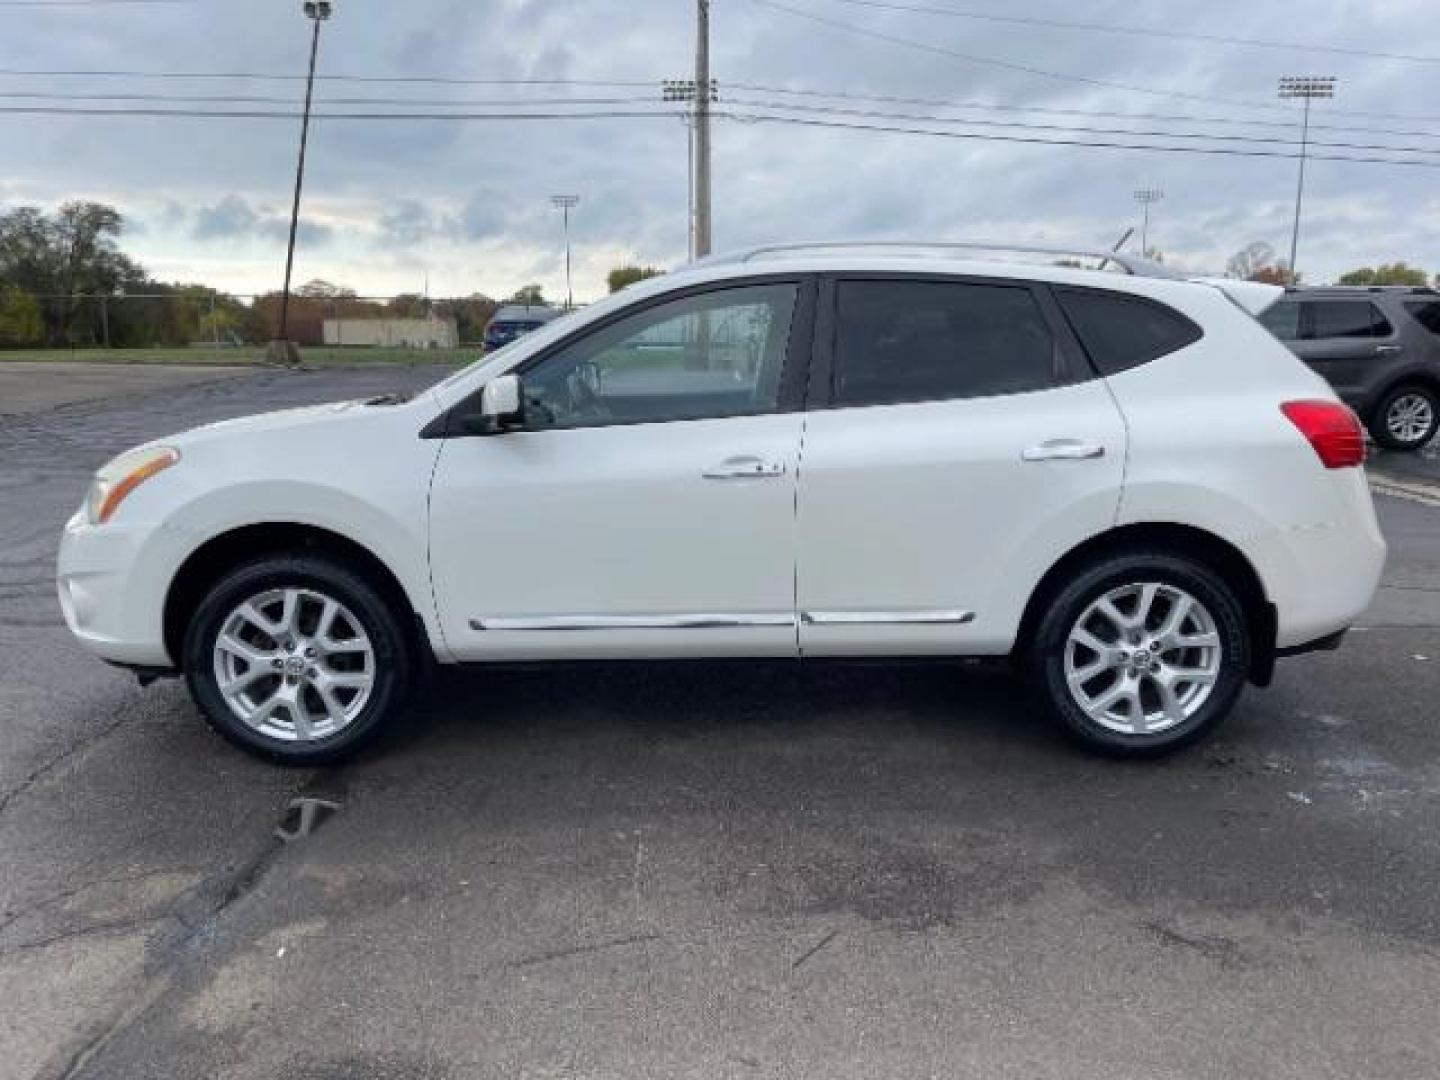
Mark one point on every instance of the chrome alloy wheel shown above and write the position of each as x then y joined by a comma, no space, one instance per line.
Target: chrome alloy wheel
1143,658
294,664
1409,417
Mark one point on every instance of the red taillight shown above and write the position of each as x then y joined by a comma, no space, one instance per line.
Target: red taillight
1332,429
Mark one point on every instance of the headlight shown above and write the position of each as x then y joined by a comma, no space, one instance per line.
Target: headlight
120,477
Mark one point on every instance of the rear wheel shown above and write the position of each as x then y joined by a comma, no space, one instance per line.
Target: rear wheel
1141,653
296,658
1406,418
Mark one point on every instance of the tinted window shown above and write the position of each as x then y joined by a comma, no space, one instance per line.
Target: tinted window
1120,332
713,354
1426,313
1282,320
1346,319
901,341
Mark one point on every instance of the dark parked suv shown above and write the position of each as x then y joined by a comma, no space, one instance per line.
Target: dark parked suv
1379,347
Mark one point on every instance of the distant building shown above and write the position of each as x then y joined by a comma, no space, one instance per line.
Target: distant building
431,333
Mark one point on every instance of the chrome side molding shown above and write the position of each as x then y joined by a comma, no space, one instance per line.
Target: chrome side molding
923,617
694,621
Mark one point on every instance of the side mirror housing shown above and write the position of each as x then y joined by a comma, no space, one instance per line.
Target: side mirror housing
502,406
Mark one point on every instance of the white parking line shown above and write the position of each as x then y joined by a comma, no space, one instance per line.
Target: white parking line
1413,490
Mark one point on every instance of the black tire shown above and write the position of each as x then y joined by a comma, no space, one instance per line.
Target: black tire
318,574
1046,652
1379,417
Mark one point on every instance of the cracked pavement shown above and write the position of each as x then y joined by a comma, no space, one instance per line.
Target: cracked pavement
727,869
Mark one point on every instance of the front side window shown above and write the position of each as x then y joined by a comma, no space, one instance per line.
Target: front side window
1282,320
1346,319
905,341
712,354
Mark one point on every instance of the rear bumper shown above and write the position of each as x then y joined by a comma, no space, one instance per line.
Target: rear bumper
1328,643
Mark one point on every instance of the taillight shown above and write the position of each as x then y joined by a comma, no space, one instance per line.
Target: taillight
1332,429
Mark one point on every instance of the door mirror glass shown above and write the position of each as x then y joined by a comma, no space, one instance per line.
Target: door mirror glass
501,405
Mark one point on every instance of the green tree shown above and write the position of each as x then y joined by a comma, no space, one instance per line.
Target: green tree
20,321
1396,273
530,295
628,274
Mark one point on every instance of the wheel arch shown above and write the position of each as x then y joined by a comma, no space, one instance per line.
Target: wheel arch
1427,377
1203,546
221,553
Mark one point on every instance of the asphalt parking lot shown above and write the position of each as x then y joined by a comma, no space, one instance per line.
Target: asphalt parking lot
707,870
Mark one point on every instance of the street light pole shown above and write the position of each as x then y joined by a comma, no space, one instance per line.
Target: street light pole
282,349
565,203
1146,196
1307,88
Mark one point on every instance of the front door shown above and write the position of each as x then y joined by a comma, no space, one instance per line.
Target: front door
646,505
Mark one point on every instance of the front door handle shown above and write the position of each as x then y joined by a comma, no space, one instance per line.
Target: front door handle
1388,350
744,467
1063,450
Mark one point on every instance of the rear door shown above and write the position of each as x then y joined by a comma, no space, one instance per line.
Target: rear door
956,445
1346,341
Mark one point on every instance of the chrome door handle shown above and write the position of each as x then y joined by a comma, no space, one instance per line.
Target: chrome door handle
1063,450
744,467
1388,350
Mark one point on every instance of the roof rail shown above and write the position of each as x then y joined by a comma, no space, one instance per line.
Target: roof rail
1131,264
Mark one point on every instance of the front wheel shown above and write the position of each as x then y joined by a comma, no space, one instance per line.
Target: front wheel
1141,654
296,658
1406,418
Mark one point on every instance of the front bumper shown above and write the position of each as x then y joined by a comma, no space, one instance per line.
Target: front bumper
112,591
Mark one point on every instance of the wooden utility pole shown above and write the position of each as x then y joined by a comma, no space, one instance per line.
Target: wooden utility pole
702,128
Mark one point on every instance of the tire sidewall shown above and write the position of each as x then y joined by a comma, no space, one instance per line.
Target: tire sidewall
1047,667
1379,429
300,571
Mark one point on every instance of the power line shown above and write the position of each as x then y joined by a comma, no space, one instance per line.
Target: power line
85,3
276,99
1139,31
1008,65
930,119
751,117
271,76
1092,144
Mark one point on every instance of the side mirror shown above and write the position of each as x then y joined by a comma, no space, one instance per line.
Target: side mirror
502,405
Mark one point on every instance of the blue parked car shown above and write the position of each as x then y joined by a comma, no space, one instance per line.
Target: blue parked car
516,320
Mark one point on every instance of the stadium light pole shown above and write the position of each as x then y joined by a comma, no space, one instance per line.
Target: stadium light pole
1145,197
1307,88
282,349
566,203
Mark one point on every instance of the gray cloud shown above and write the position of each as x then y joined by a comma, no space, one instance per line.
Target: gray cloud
234,218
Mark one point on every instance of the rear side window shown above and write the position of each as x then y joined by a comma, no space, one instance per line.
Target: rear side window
1426,313
899,341
1282,320
1121,332
1346,319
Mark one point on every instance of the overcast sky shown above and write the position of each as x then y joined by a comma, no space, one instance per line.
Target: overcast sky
389,202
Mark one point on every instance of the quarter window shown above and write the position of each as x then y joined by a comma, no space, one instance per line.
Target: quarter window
714,354
1121,332
1346,319
901,341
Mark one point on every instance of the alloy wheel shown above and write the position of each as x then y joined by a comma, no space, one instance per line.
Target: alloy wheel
1409,417
1143,658
294,664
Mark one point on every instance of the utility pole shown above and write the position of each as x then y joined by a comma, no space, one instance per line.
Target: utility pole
702,128
282,349
1146,196
566,203
1307,88
683,91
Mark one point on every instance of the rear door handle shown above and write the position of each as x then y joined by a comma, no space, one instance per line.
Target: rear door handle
1063,450
744,467
1388,350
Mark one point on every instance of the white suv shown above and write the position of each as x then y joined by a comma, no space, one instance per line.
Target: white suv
1119,480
